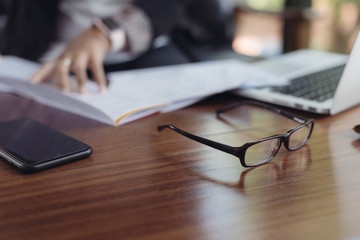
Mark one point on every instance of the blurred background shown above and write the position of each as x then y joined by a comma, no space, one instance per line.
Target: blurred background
270,27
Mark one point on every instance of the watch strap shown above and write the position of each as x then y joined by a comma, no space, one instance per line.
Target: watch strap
110,28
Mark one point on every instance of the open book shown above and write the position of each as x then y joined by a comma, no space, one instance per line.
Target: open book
135,94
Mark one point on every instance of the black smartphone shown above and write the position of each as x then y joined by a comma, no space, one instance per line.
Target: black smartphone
32,146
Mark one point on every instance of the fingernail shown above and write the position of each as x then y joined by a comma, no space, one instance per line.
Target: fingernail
102,88
83,90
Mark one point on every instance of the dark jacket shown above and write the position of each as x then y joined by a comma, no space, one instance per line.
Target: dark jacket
31,24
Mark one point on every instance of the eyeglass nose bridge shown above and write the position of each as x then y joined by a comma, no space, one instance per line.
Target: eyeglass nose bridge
286,139
282,140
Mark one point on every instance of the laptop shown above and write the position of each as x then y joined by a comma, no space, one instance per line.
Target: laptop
318,82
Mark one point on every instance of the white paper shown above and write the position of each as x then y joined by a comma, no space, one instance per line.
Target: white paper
135,94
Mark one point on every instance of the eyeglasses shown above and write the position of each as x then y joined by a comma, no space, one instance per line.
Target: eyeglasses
258,152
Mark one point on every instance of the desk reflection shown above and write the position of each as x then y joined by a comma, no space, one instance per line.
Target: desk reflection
291,192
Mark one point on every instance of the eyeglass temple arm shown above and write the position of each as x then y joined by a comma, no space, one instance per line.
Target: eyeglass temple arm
291,116
219,146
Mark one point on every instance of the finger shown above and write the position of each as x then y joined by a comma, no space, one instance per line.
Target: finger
79,68
98,72
62,73
43,74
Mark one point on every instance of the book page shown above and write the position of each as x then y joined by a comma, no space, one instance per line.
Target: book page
134,94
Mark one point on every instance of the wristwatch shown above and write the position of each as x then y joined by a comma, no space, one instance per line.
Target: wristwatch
113,30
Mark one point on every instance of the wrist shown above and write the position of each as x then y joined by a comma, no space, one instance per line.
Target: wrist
113,31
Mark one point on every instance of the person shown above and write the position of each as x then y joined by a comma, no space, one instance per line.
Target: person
74,36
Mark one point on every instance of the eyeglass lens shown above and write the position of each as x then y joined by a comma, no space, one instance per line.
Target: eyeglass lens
299,137
262,152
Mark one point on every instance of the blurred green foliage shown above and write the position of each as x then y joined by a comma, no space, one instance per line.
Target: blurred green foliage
343,38
341,35
266,5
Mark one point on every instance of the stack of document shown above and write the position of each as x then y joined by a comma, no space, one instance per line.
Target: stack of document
134,94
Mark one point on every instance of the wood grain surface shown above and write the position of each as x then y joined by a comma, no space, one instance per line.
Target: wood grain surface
142,184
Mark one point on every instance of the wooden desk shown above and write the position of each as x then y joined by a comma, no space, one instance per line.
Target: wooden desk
141,184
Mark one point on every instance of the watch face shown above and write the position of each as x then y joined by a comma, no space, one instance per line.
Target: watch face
110,23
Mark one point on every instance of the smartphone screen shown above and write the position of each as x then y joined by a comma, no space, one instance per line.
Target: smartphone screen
32,146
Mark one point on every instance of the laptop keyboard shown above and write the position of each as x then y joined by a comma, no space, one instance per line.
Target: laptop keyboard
318,86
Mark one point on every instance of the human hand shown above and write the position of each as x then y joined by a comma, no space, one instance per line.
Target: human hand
85,52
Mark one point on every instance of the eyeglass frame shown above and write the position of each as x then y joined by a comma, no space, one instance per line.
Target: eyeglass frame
240,151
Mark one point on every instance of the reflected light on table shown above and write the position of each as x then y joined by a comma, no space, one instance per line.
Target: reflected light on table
232,185
346,170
